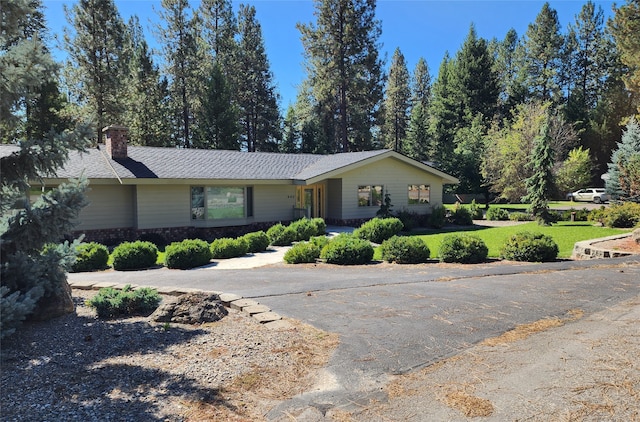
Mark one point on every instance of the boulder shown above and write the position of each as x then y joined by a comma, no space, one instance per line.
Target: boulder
190,308
635,235
54,305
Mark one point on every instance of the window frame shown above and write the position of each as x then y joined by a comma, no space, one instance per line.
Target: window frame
373,199
202,203
420,188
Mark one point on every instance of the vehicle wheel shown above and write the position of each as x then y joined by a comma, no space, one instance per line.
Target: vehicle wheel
597,200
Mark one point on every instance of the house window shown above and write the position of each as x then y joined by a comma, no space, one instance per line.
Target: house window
370,196
419,194
221,202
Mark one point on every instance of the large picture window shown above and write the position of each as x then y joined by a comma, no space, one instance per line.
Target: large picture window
370,195
221,202
419,194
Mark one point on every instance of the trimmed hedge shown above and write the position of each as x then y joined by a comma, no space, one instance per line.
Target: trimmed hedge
320,225
497,214
347,249
304,229
303,252
281,235
405,250
90,256
110,302
463,248
187,254
227,247
529,247
256,241
377,230
134,255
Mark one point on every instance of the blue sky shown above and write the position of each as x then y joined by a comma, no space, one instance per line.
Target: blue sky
420,28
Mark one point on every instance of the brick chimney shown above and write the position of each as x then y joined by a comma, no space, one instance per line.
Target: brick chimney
116,141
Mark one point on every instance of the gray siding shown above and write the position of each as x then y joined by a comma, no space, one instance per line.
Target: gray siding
110,207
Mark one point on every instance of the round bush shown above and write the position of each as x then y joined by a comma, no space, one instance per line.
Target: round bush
226,247
303,252
529,247
256,241
461,216
405,250
497,214
134,255
281,235
463,249
347,250
378,230
304,229
320,225
438,217
187,254
624,215
90,256
110,302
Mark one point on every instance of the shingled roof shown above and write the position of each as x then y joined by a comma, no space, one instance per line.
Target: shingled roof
174,163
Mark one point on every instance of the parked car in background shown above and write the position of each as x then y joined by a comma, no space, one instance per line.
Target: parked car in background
596,195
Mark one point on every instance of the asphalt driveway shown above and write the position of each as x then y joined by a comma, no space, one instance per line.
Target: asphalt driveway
393,319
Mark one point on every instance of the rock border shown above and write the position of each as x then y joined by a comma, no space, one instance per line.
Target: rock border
589,249
253,309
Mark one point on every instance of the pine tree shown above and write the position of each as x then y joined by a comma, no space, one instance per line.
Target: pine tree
182,58
32,277
98,59
417,142
509,69
540,184
628,146
344,71
218,116
397,104
625,27
256,92
421,84
147,112
543,44
291,133
220,27
444,117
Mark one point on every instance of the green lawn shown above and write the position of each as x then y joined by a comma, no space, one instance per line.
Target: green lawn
565,234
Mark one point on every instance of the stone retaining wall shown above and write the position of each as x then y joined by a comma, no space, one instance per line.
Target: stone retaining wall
594,248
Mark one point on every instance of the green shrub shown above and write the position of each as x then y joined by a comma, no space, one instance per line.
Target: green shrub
281,235
463,248
520,216
321,226
134,255
256,241
187,254
497,214
378,230
156,238
475,210
346,249
320,241
90,256
303,252
580,215
410,220
529,247
304,229
623,215
110,302
460,216
226,247
405,250
438,217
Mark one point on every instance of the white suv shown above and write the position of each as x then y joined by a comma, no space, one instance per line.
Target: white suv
597,195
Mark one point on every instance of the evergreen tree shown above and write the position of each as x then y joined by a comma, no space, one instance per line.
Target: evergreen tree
617,182
98,59
543,45
417,142
182,61
220,28
344,72
397,104
32,278
421,84
540,184
256,92
147,112
291,133
509,69
443,118
625,27
470,145
218,116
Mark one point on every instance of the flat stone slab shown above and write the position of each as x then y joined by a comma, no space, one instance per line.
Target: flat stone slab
265,317
256,309
280,324
82,285
227,298
104,284
243,303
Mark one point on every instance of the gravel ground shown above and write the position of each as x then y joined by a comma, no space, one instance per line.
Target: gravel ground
80,368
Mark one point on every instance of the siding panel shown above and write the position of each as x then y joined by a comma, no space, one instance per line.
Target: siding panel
110,207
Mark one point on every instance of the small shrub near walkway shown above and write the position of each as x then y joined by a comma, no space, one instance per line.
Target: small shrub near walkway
463,248
187,254
110,302
405,250
529,247
347,249
134,255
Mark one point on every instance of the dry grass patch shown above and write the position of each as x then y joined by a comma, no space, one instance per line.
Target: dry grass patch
469,405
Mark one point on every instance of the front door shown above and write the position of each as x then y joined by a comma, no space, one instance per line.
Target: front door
311,200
